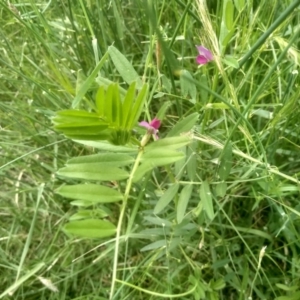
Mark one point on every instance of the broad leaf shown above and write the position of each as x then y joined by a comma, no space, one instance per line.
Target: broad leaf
90,228
90,192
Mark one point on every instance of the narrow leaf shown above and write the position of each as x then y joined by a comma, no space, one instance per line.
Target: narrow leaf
127,105
110,159
191,165
124,67
156,161
231,61
155,245
162,157
90,228
88,213
226,162
137,107
104,145
96,171
88,82
105,83
90,192
229,14
166,198
220,189
184,125
170,142
183,201
100,101
187,85
206,198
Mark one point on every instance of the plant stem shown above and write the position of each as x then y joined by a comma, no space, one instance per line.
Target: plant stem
119,227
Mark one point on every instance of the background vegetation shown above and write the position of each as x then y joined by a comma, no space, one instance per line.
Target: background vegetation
48,48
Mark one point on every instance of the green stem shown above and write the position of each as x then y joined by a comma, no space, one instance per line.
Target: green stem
120,222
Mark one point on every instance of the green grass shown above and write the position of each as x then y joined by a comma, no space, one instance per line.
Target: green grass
49,48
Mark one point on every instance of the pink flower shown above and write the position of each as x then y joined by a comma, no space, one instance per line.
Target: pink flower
152,127
204,56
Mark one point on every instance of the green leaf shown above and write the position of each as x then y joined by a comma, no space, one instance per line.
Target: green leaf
221,189
162,157
90,192
184,125
287,288
226,162
106,146
219,284
109,159
166,198
183,201
231,61
105,83
124,67
79,123
88,213
239,4
294,296
96,171
137,108
187,85
82,203
166,83
206,198
88,82
100,101
154,159
229,9
141,171
170,142
163,109
127,105
155,245
191,165
90,228
76,116
263,113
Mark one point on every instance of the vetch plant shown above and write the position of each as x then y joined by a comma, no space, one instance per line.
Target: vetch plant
123,158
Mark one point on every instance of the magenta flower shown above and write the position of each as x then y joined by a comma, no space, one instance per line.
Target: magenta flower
204,56
152,127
